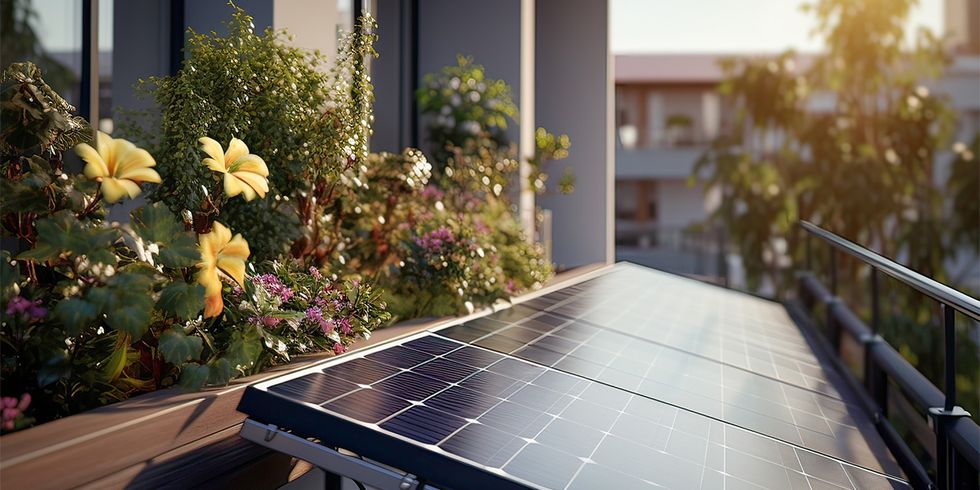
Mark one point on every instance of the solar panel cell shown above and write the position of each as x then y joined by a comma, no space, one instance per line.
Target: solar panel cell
399,356
411,386
424,424
360,371
432,345
314,388
367,405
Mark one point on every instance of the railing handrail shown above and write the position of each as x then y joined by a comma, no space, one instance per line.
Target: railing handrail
963,303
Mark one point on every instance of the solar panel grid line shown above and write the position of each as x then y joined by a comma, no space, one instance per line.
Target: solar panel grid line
787,404
736,365
722,421
799,438
807,386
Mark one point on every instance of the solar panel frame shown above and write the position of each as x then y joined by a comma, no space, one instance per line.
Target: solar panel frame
262,403
440,469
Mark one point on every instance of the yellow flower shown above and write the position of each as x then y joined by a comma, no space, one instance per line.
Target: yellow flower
220,252
119,165
244,172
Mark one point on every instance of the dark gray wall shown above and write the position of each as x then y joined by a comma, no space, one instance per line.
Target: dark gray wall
388,77
211,15
489,31
572,96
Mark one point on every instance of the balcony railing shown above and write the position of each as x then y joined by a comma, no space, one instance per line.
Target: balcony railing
945,430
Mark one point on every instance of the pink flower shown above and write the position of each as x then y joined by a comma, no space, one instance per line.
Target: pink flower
315,273
273,286
266,321
432,192
315,316
339,348
345,327
13,408
31,310
434,240
480,227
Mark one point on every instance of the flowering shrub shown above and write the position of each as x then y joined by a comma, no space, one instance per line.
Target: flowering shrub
94,312
467,114
256,87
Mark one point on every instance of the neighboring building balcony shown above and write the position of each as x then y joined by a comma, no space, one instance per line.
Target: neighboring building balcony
657,162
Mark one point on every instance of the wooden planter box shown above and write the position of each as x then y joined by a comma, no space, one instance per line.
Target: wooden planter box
168,438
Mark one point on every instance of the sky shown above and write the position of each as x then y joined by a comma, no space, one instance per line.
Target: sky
726,26
637,26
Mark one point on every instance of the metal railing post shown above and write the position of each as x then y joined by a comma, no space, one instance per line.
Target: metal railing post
833,271
943,417
808,250
833,328
874,378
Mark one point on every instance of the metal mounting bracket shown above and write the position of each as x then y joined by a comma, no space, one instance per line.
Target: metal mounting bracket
940,413
328,459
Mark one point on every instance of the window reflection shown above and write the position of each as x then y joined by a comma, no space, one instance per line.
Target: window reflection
49,34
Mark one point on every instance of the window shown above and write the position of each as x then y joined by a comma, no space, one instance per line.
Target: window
49,34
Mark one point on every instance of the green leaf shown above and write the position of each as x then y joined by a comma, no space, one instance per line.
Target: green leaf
133,320
55,367
180,252
221,372
40,252
75,313
155,224
182,300
178,347
244,349
193,376
115,363
62,232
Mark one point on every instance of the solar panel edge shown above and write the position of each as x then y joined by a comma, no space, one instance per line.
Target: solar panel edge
434,467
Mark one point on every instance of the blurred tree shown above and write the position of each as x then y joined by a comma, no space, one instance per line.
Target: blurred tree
850,144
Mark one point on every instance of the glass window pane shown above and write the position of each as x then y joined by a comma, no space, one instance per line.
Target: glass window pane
48,33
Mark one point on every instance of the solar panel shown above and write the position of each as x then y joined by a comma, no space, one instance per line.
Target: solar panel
550,394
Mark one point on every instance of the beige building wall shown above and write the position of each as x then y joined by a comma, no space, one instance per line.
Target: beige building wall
312,25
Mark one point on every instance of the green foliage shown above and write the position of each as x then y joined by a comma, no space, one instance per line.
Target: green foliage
467,110
451,241
963,185
178,347
461,102
254,87
182,300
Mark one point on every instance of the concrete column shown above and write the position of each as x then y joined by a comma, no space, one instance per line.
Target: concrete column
574,95
394,78
526,145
